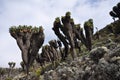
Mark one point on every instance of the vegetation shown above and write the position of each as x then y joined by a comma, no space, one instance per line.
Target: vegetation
69,34
72,39
11,64
29,41
2,72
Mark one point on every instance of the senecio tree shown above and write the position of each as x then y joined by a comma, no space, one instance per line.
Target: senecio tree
11,66
115,13
88,26
85,38
29,40
67,36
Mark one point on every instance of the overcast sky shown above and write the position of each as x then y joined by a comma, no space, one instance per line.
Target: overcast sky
43,12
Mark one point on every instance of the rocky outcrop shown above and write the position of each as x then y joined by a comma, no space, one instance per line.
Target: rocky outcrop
101,64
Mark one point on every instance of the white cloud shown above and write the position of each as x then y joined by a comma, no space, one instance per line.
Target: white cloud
98,11
43,12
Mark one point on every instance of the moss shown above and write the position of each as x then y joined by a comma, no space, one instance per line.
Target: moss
8,78
84,51
57,63
38,71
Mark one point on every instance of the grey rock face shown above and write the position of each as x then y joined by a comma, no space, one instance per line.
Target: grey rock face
102,63
115,52
111,45
97,53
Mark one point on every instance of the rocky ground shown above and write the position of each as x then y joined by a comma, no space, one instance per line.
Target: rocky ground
102,63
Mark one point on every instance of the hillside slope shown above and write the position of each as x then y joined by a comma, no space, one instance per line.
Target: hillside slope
101,63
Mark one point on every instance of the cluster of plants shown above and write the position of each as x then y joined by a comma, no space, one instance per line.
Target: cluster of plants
30,40
49,53
70,33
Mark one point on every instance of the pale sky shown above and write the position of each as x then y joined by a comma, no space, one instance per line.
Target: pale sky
44,12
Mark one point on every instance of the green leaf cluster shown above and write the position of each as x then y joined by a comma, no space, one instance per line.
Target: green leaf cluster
57,19
68,13
25,29
89,23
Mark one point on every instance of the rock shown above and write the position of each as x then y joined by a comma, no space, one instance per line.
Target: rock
101,64
19,76
111,45
115,52
115,60
23,76
97,53
108,41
